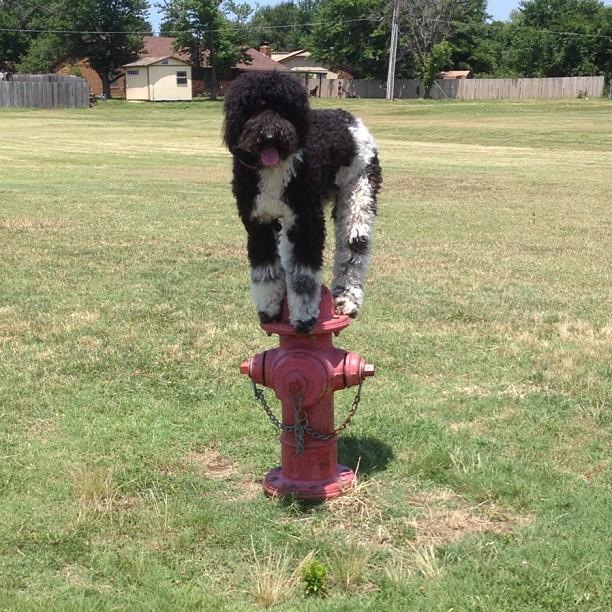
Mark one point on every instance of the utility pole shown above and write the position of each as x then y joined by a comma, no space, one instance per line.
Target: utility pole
393,50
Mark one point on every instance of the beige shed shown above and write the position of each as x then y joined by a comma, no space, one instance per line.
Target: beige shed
158,79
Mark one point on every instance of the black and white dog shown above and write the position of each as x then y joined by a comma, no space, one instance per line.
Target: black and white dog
288,161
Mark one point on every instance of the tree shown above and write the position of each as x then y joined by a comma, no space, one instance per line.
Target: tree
552,38
107,32
436,59
423,24
468,36
16,16
351,35
285,26
202,31
493,50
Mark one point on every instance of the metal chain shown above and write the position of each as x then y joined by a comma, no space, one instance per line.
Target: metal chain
260,397
301,420
349,417
299,425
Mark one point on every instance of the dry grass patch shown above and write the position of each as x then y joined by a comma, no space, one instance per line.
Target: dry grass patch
76,575
488,425
89,343
97,492
174,353
421,559
589,428
32,224
41,430
443,517
583,333
358,505
360,512
273,580
348,563
85,317
11,324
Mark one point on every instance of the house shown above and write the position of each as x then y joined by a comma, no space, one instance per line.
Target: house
156,48
302,63
259,62
157,79
447,75
153,46
82,68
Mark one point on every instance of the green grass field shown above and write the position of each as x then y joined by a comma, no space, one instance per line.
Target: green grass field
132,451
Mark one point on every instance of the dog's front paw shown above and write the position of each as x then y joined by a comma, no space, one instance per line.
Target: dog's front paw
305,327
265,317
348,301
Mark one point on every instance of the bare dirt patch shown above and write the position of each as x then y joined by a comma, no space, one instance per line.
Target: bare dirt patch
211,464
442,517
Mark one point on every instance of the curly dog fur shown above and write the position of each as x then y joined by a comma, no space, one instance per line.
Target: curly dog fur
288,161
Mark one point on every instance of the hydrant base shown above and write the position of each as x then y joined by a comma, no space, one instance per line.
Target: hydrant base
277,485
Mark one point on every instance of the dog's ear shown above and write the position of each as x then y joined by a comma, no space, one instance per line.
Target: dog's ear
292,99
235,110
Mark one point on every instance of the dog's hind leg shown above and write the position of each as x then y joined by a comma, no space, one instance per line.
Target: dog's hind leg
267,274
354,216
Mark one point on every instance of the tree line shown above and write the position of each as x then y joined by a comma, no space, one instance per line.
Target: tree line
543,38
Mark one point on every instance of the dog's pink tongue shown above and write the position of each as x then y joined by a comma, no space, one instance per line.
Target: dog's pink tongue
270,156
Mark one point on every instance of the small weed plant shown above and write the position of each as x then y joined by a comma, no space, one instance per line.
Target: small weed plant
314,575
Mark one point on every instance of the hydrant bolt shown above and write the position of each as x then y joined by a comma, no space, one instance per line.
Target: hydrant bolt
296,387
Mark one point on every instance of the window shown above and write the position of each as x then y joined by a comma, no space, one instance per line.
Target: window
181,77
133,72
164,62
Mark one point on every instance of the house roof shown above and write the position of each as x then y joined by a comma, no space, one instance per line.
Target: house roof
310,69
455,74
150,60
282,57
259,61
160,46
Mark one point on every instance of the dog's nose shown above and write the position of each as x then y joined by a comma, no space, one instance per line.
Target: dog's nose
268,135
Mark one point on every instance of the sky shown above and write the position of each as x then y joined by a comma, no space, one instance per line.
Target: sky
499,9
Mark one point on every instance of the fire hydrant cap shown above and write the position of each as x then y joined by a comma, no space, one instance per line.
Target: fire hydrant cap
327,321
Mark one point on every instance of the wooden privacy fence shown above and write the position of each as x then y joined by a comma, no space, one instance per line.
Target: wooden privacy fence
467,89
44,91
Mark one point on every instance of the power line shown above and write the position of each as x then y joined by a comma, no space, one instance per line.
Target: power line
376,19
259,28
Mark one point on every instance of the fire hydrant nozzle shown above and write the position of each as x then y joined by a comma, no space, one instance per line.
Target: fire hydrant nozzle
304,372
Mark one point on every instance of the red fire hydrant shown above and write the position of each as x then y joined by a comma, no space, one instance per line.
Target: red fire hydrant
304,373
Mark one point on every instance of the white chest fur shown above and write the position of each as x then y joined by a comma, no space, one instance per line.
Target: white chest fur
269,204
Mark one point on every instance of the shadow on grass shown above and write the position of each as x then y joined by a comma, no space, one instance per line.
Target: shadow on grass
366,454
